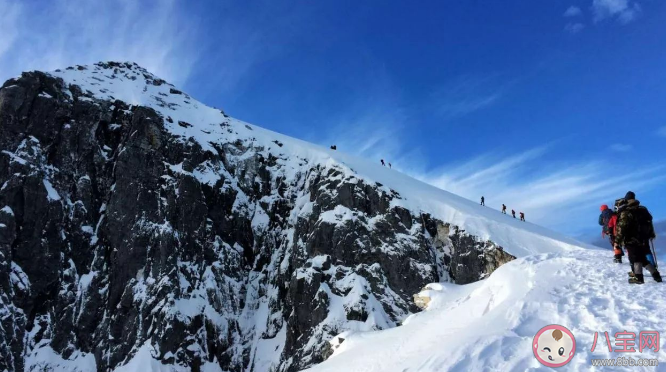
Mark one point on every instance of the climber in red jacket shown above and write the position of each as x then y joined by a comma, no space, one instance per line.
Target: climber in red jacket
608,222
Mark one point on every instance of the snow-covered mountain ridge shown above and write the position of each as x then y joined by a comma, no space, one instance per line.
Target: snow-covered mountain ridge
143,230
189,119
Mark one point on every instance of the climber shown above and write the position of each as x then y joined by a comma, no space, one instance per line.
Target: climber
620,204
390,166
503,208
483,201
608,220
522,216
382,160
334,147
612,227
634,231
513,213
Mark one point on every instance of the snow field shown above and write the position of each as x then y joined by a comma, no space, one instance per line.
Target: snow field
490,325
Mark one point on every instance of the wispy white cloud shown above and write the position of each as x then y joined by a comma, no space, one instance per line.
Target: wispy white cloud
621,147
624,11
372,134
50,35
468,94
373,125
557,195
475,173
573,11
574,28
662,131
170,38
244,37
553,193
10,12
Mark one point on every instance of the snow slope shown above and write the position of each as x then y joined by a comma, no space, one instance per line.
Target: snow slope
482,326
489,325
190,119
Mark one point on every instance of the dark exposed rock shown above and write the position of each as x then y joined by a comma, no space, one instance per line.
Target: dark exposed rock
110,240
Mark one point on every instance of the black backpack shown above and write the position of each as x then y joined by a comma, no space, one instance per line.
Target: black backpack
638,224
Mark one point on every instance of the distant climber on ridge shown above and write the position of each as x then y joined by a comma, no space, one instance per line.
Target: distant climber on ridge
390,166
503,208
334,147
513,213
382,160
522,216
483,201
634,232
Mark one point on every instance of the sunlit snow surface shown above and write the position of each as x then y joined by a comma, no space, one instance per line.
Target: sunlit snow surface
485,326
207,125
489,325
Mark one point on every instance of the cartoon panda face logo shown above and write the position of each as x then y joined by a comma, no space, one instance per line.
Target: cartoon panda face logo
554,346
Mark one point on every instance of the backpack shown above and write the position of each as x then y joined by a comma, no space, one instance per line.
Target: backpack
604,219
638,224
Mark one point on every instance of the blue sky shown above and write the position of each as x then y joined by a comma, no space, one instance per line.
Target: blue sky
551,107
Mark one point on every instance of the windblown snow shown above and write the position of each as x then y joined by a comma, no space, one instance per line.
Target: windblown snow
484,326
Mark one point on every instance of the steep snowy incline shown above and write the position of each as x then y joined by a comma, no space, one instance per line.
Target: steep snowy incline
490,325
188,118
140,229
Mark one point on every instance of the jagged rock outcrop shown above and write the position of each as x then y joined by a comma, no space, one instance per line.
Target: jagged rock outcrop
466,258
130,226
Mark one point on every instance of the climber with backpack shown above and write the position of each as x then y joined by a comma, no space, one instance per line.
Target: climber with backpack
608,221
634,231
620,204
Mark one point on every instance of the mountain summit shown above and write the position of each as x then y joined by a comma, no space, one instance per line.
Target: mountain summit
141,230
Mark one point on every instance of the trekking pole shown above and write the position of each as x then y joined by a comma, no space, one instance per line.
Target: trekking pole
654,254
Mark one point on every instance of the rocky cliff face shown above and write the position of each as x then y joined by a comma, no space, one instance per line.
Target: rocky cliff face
158,226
